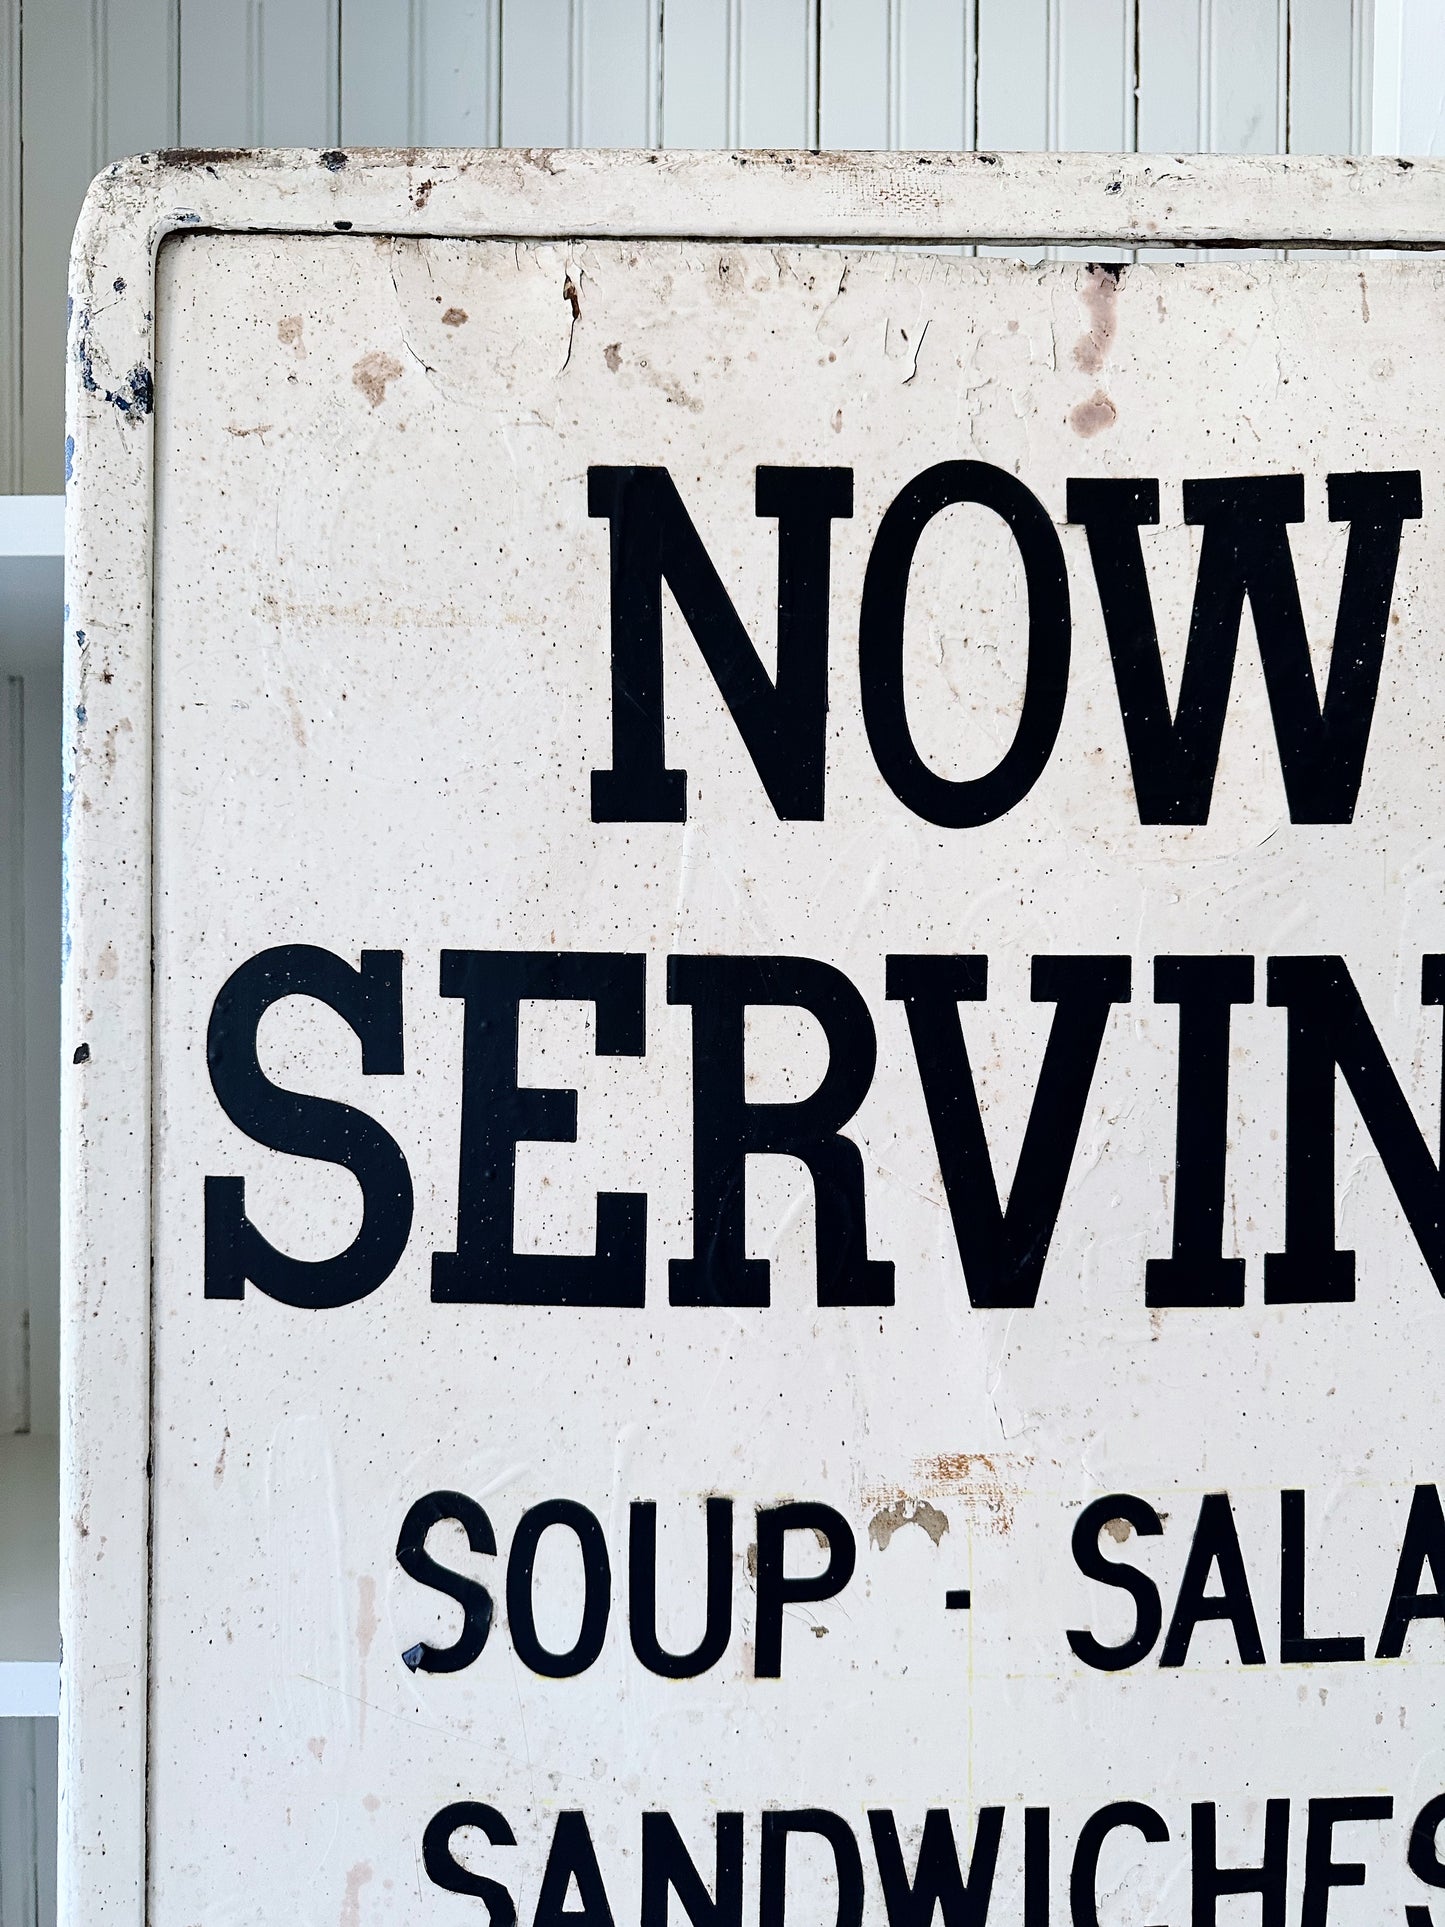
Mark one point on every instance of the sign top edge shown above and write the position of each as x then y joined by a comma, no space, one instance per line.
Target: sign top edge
918,197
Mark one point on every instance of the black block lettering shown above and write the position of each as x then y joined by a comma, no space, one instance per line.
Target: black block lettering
776,1589
1424,1858
572,1857
782,723
728,1129
1148,1613
369,1000
773,1872
937,799
1215,1543
642,1592
667,1866
1246,554
1423,1545
497,1115
1196,1272
445,1871
1083,1875
1209,1880
938,1884
1036,1867
417,1563
1003,1251
596,1591
1296,1647
1322,1871
1328,1027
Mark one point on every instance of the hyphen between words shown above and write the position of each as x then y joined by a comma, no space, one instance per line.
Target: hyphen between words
1244,557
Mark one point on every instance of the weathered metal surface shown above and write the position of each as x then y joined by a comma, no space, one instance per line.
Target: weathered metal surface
341,673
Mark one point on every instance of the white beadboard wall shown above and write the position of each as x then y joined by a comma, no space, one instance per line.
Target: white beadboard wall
83,81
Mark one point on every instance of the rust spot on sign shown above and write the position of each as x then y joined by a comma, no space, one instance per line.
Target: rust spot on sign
1093,416
372,373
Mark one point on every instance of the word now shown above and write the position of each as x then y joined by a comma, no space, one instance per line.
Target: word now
1003,1249
1244,557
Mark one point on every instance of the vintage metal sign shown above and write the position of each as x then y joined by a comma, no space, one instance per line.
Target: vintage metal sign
754,1210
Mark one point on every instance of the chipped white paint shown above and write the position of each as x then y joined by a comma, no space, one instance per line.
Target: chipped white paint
371,664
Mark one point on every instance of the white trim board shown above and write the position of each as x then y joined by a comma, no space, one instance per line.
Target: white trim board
32,525
29,1689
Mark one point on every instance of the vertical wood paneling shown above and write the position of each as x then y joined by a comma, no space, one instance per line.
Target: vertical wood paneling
27,1823
9,245
936,52
740,73
1093,70
858,71
379,73
620,54
14,1265
1016,77
260,73
97,79
1171,36
699,73
541,73
580,73
1422,78
895,73
41,1024
456,66
420,73
1243,67
777,73
1324,102
18,1837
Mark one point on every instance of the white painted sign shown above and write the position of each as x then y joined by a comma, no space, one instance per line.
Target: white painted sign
754,1211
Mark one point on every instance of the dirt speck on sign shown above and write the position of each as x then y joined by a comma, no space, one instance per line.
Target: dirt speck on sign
906,1512
988,1485
1099,298
1094,415
356,1879
372,373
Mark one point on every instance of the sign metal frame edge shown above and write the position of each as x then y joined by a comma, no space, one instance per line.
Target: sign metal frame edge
106,1013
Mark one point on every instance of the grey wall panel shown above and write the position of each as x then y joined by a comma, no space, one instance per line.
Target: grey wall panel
420,73
1093,75
740,73
896,73
777,74
260,73
620,53
42,1037
581,73
699,73
98,78
1416,91
27,1823
541,74
1016,78
1170,45
379,72
1329,76
9,245
14,1270
1244,63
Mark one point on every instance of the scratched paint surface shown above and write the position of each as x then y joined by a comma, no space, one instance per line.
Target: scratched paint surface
382,681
